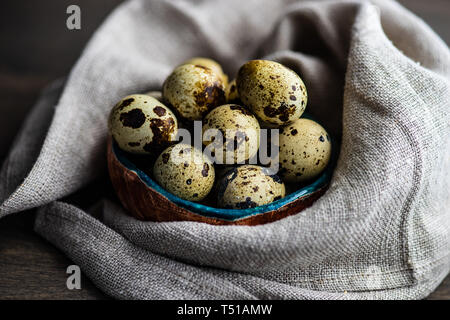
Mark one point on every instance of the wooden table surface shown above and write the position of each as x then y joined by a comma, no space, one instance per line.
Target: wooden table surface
36,48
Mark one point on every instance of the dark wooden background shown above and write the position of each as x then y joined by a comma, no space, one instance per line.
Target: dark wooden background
36,48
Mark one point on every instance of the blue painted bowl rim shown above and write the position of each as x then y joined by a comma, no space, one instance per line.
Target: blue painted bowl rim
219,213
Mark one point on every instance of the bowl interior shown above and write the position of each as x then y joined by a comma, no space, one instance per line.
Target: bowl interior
226,214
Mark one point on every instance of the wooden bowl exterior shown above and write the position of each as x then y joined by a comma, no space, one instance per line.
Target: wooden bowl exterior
145,203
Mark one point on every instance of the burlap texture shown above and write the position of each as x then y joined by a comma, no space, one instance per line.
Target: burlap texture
377,77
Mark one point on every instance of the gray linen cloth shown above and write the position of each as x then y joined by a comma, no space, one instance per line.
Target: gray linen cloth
378,78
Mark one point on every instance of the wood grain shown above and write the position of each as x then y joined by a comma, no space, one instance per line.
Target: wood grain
31,268
36,48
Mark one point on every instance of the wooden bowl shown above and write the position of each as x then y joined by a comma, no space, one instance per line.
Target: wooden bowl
146,200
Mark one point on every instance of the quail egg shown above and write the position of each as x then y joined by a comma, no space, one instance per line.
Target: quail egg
182,123
232,92
141,124
194,90
248,186
275,93
184,171
305,150
209,63
239,132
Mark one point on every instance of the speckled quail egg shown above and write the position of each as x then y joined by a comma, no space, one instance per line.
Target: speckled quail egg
275,93
305,150
182,123
231,92
209,63
249,186
141,124
239,130
194,90
184,171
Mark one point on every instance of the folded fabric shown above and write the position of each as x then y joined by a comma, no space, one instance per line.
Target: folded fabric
378,78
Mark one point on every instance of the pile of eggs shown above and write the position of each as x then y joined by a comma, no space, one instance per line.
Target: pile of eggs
265,94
